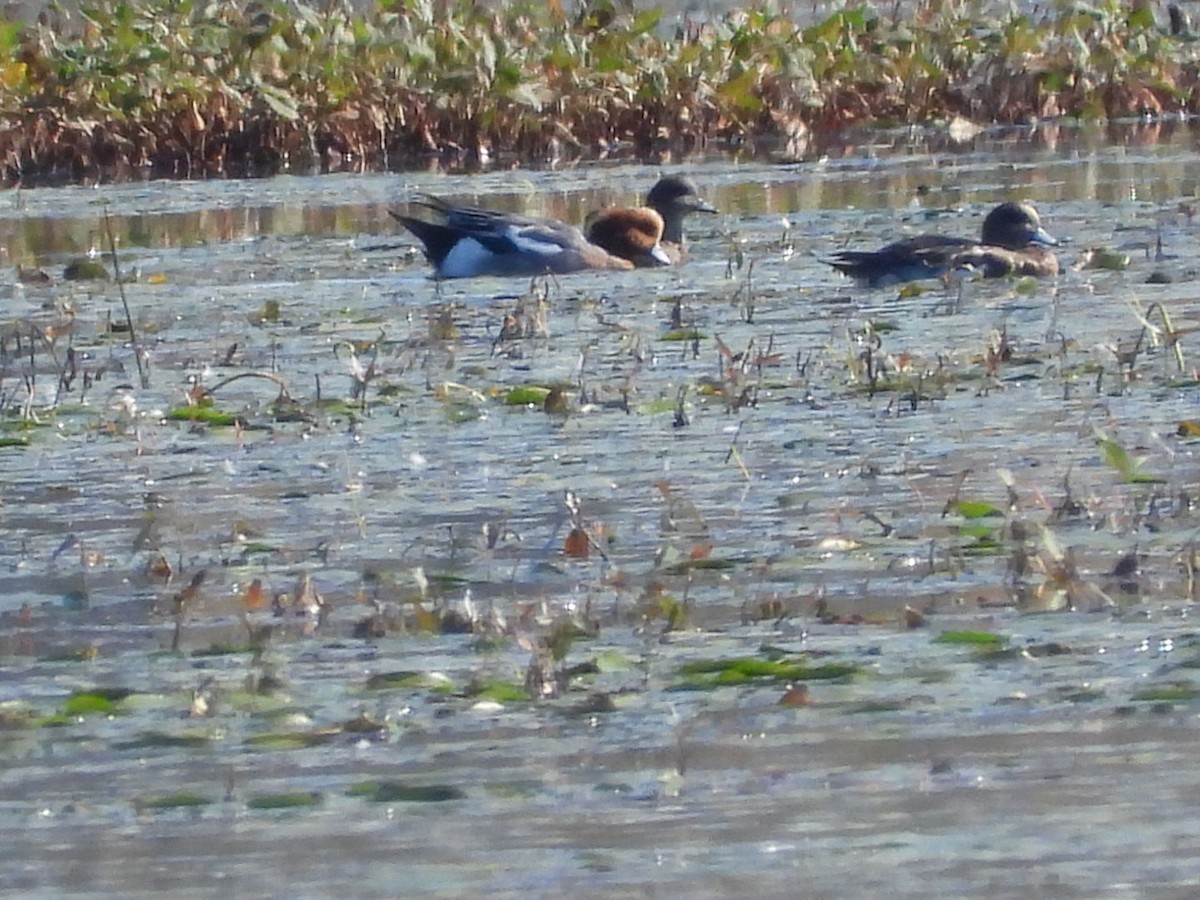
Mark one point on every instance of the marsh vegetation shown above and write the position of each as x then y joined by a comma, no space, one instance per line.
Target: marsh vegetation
159,88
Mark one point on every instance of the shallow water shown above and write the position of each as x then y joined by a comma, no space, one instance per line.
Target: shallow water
817,510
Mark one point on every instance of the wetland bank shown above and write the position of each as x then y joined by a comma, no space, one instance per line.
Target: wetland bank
318,576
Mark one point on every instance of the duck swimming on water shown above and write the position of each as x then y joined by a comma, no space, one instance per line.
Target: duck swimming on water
672,199
465,241
1013,243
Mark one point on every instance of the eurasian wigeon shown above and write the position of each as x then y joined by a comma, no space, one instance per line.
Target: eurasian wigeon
1013,243
672,199
464,241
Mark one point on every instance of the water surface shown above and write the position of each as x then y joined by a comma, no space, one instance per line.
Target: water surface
817,508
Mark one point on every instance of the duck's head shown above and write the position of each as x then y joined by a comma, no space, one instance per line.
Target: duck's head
632,234
1014,226
675,195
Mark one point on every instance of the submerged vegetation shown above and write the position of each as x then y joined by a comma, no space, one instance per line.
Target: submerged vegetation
162,88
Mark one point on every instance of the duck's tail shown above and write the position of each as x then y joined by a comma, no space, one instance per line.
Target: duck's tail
438,239
851,262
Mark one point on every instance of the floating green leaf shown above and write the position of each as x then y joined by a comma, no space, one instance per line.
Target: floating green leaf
206,415
389,680
291,740
708,563
161,740
975,638
526,395
179,800
84,654
399,792
975,509
297,800
710,674
96,701
1175,692
498,690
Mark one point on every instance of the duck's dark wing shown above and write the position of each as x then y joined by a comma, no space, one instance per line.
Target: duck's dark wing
500,233
921,256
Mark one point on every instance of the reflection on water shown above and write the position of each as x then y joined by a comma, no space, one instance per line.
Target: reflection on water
1114,163
32,239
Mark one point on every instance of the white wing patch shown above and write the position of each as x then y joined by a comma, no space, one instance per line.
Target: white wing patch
534,240
466,258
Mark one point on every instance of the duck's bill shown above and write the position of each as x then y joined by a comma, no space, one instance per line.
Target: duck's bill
659,255
699,205
1043,237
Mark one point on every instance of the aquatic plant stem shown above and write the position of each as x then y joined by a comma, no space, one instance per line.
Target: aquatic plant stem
269,376
143,377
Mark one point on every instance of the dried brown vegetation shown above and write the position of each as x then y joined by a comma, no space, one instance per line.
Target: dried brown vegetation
166,89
